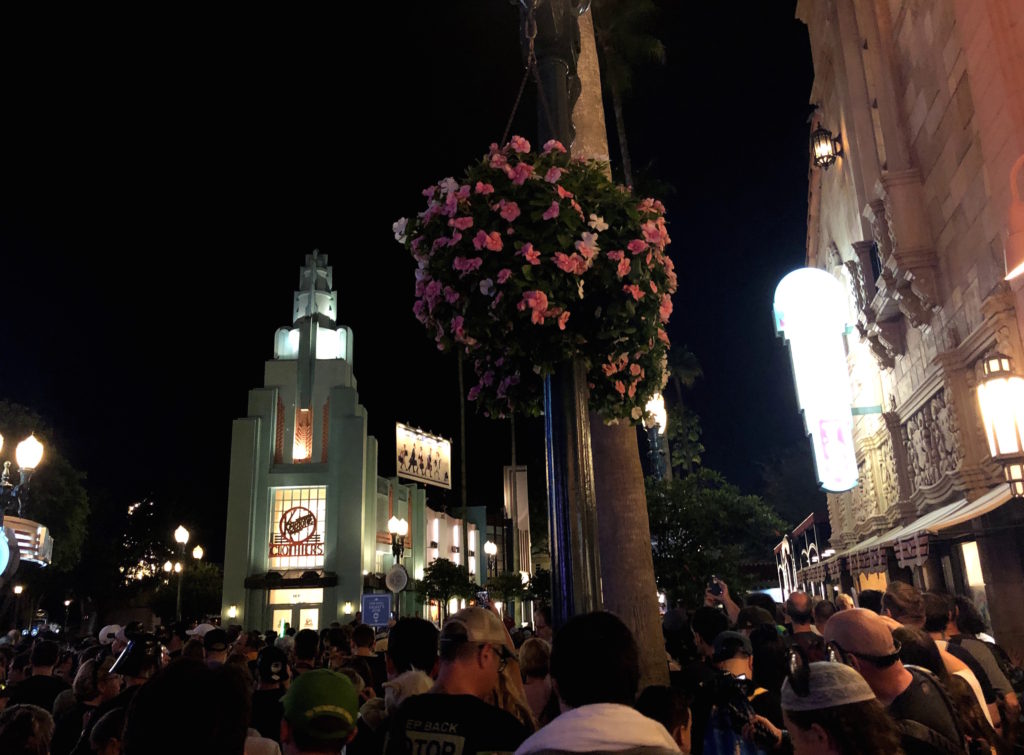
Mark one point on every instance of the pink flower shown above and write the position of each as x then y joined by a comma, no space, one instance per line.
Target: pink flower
666,307
563,319
620,387
570,263
463,192
552,212
487,378
636,246
503,275
497,299
490,241
482,188
461,224
632,389
537,301
519,144
451,295
553,145
509,211
563,193
587,246
635,370
467,264
663,336
609,369
655,233
654,288
519,173
497,161
616,255
531,254
623,269
473,394
634,291
554,173
651,205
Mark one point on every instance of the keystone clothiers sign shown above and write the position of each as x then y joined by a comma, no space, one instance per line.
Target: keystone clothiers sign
296,535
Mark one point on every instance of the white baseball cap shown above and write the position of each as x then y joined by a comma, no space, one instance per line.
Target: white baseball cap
109,633
200,631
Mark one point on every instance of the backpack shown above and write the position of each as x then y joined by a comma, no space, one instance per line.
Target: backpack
919,732
1013,673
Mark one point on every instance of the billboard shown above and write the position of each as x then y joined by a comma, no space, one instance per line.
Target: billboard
811,316
423,457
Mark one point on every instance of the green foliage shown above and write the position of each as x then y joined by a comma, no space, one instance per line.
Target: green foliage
444,580
788,483
625,39
56,497
201,584
702,525
506,586
539,587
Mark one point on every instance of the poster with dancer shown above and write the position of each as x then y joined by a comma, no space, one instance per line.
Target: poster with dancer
423,457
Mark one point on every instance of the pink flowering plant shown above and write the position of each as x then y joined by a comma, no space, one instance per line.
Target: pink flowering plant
535,258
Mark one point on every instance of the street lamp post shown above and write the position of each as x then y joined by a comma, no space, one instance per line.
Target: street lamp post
28,455
492,558
398,528
181,537
657,426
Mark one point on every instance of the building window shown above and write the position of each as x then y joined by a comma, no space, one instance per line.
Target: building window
297,528
302,447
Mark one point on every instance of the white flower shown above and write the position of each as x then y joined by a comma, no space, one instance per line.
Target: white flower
597,223
636,413
448,184
399,228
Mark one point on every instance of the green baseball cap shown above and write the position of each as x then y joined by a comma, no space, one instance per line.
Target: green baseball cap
322,704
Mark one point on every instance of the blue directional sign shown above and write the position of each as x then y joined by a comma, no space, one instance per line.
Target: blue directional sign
377,610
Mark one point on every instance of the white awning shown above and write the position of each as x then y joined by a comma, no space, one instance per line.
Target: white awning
933,522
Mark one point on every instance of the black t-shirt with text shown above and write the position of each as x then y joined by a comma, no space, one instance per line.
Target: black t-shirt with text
439,724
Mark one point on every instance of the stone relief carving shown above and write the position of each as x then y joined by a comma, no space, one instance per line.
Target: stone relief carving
889,487
932,439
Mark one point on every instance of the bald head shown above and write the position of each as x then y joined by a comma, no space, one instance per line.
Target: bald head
860,631
798,608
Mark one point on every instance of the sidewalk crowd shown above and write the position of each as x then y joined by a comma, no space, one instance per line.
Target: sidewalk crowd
904,672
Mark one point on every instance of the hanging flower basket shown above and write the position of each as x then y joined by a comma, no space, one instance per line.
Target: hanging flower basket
533,259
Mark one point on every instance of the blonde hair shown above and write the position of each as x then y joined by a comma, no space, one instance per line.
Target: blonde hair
535,658
843,602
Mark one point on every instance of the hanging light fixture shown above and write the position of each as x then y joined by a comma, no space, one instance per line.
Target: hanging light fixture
825,148
1001,400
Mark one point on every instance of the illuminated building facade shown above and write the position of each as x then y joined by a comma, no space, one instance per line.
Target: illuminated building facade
307,529
912,215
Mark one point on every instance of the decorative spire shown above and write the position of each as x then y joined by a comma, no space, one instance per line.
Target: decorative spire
315,298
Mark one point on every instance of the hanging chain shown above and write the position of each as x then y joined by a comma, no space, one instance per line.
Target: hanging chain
530,30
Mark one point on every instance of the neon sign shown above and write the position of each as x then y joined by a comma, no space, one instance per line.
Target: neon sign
811,316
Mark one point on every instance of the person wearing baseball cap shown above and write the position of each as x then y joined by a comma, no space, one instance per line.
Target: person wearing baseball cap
108,634
458,714
320,711
863,640
272,672
215,643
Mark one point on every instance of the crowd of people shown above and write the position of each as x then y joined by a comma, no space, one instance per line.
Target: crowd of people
900,672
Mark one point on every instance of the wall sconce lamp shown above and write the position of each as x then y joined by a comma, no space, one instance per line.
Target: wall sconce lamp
825,148
1001,400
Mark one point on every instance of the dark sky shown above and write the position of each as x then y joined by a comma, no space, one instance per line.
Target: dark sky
163,177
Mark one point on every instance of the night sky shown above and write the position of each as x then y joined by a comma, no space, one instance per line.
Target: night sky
162,181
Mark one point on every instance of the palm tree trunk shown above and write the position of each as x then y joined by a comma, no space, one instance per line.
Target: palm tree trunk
620,129
624,534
